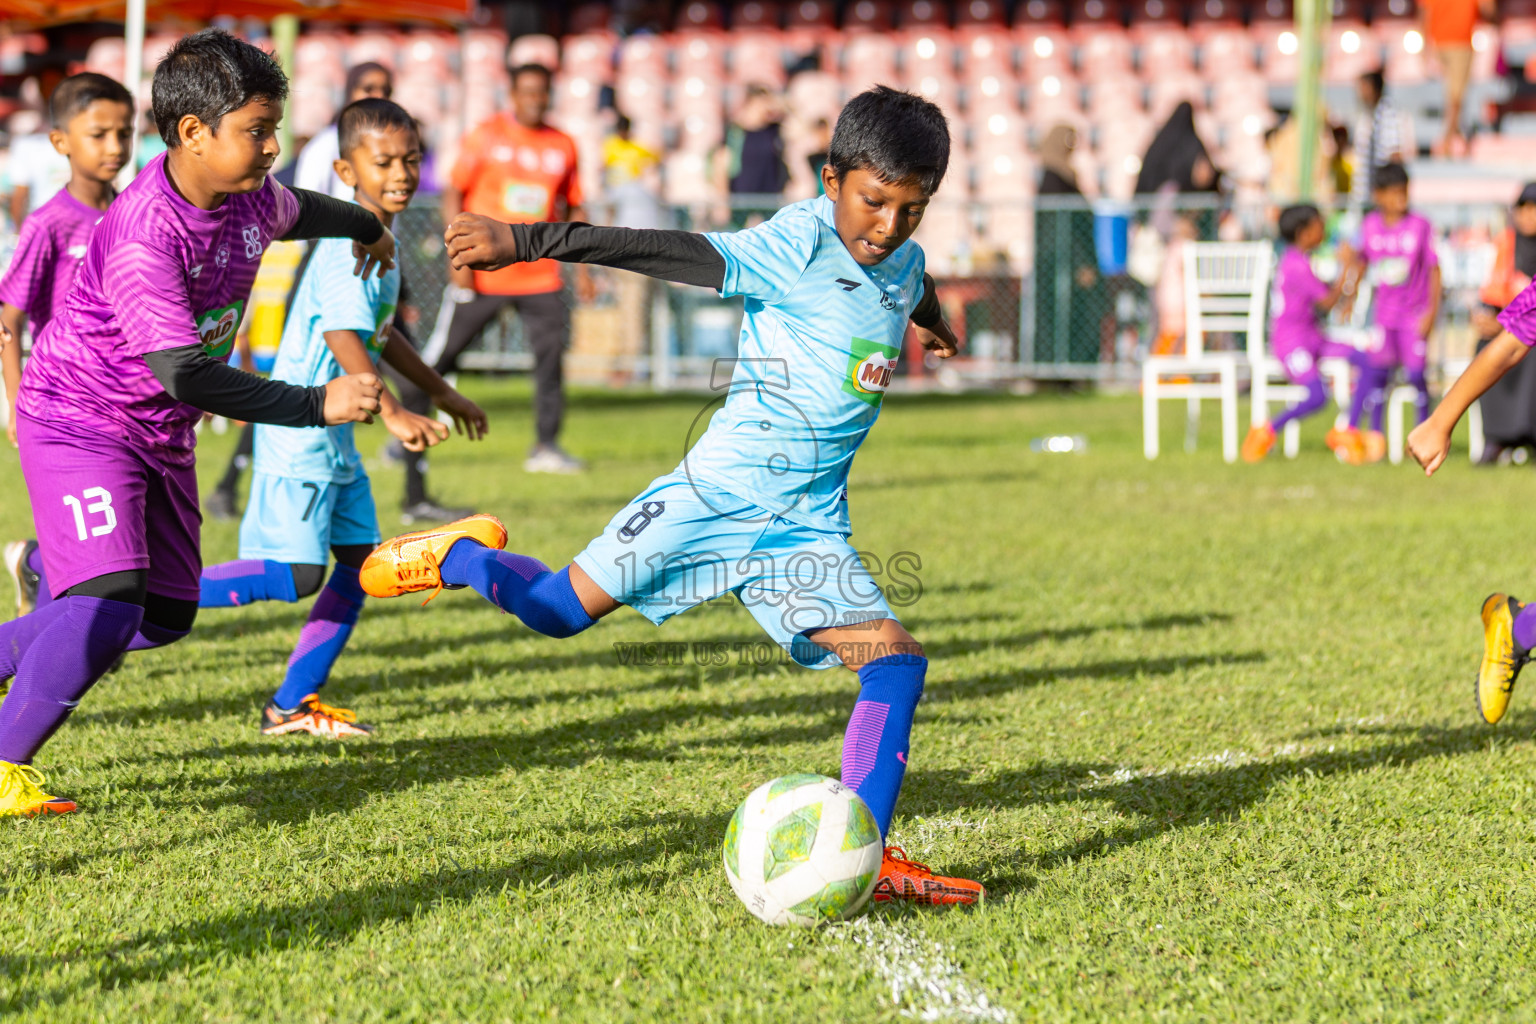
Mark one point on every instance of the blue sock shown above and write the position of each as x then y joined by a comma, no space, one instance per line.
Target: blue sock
875,746
324,635
544,600
233,584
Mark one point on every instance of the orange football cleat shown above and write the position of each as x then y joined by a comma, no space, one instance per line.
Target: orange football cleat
1258,443
313,717
1347,444
1375,445
412,561
903,879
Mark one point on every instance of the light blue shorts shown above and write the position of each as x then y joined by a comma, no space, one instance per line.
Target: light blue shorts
298,521
682,543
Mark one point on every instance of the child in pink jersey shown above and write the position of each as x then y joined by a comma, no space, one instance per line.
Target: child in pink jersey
1397,255
1299,303
92,127
121,375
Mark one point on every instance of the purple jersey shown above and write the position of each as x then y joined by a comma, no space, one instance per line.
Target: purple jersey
159,274
1294,305
53,242
1519,317
1398,261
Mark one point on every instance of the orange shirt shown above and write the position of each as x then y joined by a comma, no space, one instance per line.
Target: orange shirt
1449,22
517,175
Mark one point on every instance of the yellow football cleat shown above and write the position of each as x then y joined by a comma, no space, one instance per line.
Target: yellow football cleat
411,562
1502,657
21,793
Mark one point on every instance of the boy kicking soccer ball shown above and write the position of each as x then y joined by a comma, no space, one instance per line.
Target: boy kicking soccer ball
309,492
92,120
1509,627
759,506
121,376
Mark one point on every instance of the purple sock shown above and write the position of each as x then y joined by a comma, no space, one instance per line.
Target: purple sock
1367,396
1525,626
1377,402
35,563
151,636
1315,400
875,745
233,584
524,586
1420,400
16,636
323,637
81,639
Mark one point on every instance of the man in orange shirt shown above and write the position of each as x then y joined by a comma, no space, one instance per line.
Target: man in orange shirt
1448,26
517,169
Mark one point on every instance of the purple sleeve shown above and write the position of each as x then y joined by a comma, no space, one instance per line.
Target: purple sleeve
1519,317
31,268
285,210
147,287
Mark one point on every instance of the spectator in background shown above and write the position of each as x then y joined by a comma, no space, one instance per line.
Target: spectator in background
316,166
1177,160
1448,26
517,169
1509,407
751,163
632,184
1381,136
1070,301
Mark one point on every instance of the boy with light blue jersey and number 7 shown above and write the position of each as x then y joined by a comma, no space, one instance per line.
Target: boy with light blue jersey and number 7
310,496
759,505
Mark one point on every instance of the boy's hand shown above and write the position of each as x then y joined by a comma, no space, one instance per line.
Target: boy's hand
381,255
940,340
468,418
352,399
479,243
415,431
1429,443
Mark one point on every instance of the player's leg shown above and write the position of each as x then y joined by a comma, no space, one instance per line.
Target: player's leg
547,323
282,548
1415,357
24,561
1509,635
352,533
1300,368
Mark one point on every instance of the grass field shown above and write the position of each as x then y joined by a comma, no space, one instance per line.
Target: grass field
1205,731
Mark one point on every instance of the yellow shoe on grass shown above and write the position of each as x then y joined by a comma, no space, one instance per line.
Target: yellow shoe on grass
21,793
412,561
1503,658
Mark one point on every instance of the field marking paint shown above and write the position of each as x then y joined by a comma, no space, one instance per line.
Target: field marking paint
1205,763
925,984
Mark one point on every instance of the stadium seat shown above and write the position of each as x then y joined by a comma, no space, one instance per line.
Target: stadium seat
867,60
1278,50
1039,12
1052,100
1225,51
814,94
107,56
644,55
1162,13
925,13
697,15
1044,50
868,16
986,53
531,49
588,56
991,93
757,57
1206,16
1106,52
757,14
312,103
1352,50
1518,36
980,15
699,53
1165,92
588,17
1114,96
1402,45
927,53
384,48
1087,16
811,14
1166,50
483,53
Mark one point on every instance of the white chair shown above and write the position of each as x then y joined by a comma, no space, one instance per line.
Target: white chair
1225,288
1403,396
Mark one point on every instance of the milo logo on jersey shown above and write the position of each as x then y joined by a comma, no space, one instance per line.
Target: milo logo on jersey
381,335
870,368
218,327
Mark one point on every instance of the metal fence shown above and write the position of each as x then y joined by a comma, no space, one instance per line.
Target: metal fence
1054,289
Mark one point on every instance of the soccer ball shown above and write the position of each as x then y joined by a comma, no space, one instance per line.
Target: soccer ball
802,850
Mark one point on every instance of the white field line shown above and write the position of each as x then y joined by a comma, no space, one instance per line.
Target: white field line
924,983
1207,763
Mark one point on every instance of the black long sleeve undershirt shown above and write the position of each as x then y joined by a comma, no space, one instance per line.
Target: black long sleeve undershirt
680,256
189,374
321,216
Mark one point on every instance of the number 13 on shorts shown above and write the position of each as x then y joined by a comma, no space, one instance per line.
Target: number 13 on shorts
96,501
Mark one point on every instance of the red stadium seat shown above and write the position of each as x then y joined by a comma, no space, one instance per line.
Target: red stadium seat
1114,97
811,14
1394,9
1044,50
643,55
927,52
108,55
757,14
1156,12
696,15
1271,11
699,109
870,58
1278,50
814,94
1349,10
1225,51
985,53
757,57
1238,96
1053,99
916,13
588,17
1167,91
990,94
576,95
1205,15
699,53
1088,15
980,14
1166,49
1039,12
1106,52
483,54
589,56
1351,50
535,49
1485,53
868,16
1402,42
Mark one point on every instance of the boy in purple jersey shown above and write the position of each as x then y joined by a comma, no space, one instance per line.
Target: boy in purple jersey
1299,303
119,378
92,127
1397,255
1509,625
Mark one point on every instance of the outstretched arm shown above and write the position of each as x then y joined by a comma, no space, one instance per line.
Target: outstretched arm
321,216
480,243
468,418
1431,440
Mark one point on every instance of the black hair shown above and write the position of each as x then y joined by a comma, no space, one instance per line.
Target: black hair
76,93
622,124
369,115
1377,81
209,74
897,136
356,72
1294,218
532,69
1393,175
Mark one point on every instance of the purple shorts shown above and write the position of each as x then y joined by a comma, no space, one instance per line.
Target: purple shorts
1298,358
1399,346
101,505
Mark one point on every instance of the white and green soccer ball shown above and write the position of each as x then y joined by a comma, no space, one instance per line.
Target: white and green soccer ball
803,850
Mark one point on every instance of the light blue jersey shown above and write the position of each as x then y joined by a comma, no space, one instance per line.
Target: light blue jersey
329,298
819,343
